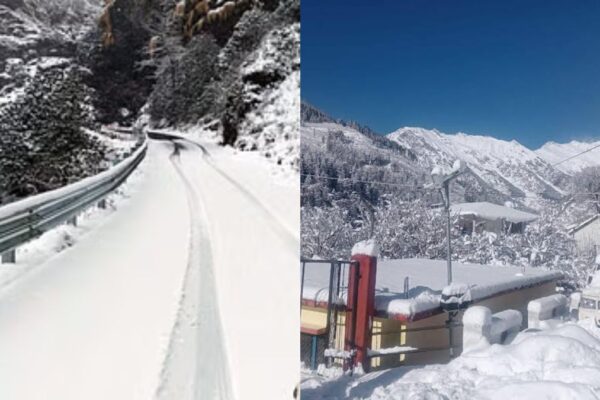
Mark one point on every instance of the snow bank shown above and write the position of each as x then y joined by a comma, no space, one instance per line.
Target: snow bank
366,247
562,363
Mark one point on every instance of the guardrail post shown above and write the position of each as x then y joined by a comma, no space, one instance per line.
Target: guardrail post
9,256
72,220
361,301
102,204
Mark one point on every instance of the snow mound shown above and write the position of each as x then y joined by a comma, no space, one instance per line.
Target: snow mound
563,363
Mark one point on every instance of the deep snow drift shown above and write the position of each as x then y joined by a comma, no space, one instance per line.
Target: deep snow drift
561,363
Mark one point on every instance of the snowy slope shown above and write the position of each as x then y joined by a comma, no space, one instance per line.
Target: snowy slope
556,152
329,146
507,166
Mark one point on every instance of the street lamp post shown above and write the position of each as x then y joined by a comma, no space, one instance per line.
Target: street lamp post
442,180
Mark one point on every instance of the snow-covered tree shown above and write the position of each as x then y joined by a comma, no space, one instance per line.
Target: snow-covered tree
43,145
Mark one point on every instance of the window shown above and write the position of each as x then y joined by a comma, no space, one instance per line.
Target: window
588,303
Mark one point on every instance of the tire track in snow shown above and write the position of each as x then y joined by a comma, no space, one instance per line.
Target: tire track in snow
196,365
290,239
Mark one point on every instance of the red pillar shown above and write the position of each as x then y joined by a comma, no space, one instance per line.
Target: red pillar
360,307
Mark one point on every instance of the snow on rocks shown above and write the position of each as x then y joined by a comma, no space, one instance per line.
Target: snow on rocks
366,248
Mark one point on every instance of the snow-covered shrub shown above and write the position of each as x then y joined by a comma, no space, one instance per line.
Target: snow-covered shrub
43,145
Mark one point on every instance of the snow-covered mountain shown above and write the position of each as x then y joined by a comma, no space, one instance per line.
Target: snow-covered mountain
499,170
507,166
554,153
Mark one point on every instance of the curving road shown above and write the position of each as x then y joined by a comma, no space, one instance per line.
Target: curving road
185,292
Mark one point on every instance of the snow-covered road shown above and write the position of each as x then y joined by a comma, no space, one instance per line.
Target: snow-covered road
186,291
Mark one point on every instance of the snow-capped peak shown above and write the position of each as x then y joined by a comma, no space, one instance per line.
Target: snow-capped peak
508,166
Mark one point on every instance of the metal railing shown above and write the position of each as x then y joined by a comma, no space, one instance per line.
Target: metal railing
335,285
26,219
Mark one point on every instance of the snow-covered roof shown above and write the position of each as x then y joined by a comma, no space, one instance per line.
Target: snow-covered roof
427,279
583,224
492,212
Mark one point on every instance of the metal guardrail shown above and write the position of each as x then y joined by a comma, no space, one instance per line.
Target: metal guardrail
28,218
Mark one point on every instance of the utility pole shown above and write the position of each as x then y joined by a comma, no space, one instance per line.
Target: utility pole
442,181
448,229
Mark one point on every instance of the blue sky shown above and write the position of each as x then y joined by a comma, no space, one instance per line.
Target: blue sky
519,69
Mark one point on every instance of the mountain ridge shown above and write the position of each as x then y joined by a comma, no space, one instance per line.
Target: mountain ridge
499,170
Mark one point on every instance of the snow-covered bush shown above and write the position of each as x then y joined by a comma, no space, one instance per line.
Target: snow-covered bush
43,145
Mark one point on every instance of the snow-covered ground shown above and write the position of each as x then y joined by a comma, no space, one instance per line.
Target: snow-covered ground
93,321
559,363
250,210
164,296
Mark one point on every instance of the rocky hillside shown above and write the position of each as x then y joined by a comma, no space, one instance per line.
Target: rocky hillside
36,34
232,67
508,167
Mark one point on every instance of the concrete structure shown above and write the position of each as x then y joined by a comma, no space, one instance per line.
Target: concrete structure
587,235
546,309
489,217
482,328
408,323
